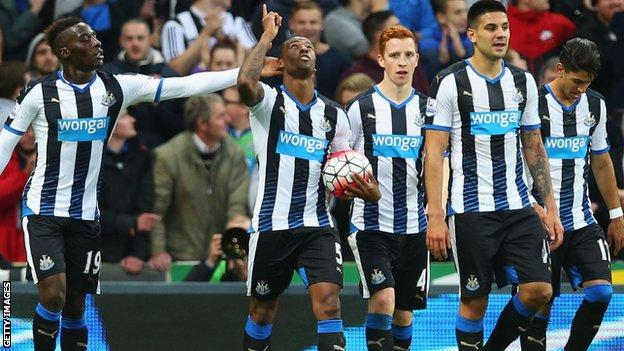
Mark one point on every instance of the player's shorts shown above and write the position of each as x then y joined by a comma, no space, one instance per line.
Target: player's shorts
314,253
584,255
64,245
511,245
387,260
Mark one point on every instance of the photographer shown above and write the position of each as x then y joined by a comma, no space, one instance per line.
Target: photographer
223,264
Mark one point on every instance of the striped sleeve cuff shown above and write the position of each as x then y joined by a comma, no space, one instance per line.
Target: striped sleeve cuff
159,90
437,127
602,151
12,130
531,127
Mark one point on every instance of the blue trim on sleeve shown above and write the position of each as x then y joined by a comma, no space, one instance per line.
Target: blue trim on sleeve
600,152
159,90
532,127
13,130
436,127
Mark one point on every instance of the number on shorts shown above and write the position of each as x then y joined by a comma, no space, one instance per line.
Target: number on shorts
604,249
97,262
422,281
338,254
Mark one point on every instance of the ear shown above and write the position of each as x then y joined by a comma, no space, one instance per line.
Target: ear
64,53
417,59
470,33
560,69
380,61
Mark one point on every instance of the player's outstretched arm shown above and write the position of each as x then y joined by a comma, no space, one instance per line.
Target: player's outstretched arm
438,236
249,87
537,161
602,167
8,141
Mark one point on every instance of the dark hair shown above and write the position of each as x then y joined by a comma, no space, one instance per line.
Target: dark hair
199,107
11,78
482,7
439,6
56,28
375,23
222,44
580,54
137,21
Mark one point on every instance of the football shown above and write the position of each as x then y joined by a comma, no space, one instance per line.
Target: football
339,167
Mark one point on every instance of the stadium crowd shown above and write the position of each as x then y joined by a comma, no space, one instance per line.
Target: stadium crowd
177,174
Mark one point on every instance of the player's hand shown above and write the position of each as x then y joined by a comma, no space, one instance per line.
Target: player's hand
615,235
271,21
554,229
145,222
132,265
438,239
161,261
272,67
366,188
215,250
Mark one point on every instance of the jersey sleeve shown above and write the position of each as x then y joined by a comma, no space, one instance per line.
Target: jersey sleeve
343,133
441,104
355,122
24,112
530,117
599,140
173,44
141,88
262,110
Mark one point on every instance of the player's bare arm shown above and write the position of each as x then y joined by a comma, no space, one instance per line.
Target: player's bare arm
602,167
438,236
248,85
537,161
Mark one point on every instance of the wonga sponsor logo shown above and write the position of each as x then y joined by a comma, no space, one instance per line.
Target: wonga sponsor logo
82,129
494,122
301,146
566,147
402,146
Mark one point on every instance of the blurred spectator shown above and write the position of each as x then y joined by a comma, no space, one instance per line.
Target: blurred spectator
12,181
19,21
209,15
616,89
514,58
245,9
347,90
597,28
343,27
542,32
417,15
208,270
240,130
106,18
548,72
352,86
127,198
575,10
284,8
222,56
307,21
155,123
448,43
13,77
201,184
40,59
504,2
373,26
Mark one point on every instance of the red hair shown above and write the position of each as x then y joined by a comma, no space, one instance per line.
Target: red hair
394,32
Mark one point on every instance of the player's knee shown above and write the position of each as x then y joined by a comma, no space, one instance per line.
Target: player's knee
599,293
382,301
328,306
53,299
473,307
537,294
262,312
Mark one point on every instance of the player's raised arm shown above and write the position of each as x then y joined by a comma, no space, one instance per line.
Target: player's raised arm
250,90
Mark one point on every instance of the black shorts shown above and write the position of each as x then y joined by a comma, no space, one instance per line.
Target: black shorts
508,245
387,260
57,245
314,253
584,255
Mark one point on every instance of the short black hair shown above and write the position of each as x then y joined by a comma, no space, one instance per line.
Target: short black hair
375,23
482,7
580,54
57,27
11,78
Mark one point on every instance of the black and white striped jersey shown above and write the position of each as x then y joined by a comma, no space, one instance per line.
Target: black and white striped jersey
292,142
571,134
484,117
72,124
391,137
